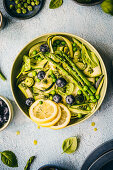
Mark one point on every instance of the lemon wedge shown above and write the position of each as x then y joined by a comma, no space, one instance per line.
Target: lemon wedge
64,119
57,118
43,111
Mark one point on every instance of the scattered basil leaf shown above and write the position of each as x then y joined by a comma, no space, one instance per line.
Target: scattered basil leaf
9,159
29,162
55,4
69,145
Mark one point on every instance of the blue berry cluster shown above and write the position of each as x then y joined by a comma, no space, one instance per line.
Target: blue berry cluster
4,113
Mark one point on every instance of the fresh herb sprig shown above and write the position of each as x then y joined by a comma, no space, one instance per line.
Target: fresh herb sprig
29,162
55,4
2,76
9,158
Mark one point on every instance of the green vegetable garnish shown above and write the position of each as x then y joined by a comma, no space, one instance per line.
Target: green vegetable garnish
29,162
55,4
29,8
69,145
9,158
18,11
2,76
40,102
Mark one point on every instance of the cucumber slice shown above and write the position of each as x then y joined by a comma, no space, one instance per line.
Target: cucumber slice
67,90
29,82
95,72
36,48
25,90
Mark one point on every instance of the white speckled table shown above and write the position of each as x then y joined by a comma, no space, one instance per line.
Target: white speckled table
91,24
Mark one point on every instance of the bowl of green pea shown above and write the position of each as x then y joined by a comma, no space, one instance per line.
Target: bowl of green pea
23,9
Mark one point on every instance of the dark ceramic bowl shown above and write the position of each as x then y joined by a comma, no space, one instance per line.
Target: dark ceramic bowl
28,15
92,3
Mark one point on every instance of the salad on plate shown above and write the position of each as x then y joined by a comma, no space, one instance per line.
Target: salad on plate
61,79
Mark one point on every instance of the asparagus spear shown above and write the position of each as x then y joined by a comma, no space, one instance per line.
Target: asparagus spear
72,72
2,76
68,74
80,74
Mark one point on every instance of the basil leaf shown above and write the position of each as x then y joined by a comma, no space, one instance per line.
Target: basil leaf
69,145
9,159
55,4
29,162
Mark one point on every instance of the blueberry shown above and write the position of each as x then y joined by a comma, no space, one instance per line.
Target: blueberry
44,48
41,75
29,101
61,82
57,98
70,99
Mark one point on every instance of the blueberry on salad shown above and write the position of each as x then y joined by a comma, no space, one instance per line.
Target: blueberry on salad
41,75
44,48
70,99
29,101
57,98
61,82
4,113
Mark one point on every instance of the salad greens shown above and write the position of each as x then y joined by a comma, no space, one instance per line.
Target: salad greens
29,162
9,158
65,70
69,145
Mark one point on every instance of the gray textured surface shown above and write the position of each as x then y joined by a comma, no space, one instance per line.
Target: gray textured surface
91,24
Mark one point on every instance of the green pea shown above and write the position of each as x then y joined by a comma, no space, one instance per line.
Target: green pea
36,58
79,115
53,92
40,102
74,44
88,108
33,3
54,80
97,97
79,92
34,73
17,1
51,72
38,80
24,11
51,97
37,2
19,5
74,49
23,0
18,11
57,42
39,58
92,97
28,1
94,100
53,76
85,88
25,5
97,78
34,52
29,8
11,6
63,43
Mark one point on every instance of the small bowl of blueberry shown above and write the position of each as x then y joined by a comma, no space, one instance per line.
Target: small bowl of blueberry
6,112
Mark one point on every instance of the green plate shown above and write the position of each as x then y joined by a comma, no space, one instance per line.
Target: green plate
20,99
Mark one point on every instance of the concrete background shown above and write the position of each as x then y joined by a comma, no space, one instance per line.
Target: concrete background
91,24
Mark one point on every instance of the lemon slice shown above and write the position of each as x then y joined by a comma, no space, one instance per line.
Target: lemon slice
54,121
65,118
44,112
